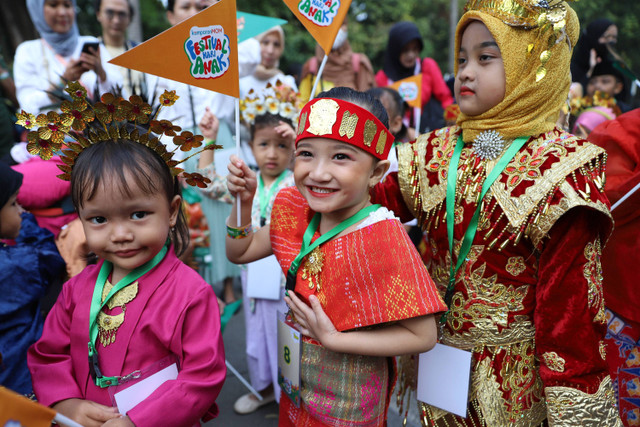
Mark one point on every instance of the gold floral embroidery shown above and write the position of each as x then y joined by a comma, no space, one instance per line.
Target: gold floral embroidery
515,265
312,267
553,361
108,324
569,407
603,350
593,273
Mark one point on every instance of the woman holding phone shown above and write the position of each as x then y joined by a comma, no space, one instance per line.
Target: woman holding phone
44,65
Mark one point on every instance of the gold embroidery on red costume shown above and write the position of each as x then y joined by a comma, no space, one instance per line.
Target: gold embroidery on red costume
553,361
515,265
593,274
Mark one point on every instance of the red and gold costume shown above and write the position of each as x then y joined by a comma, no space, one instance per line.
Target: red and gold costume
359,283
621,139
528,300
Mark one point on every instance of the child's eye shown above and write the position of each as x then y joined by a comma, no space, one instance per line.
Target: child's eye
461,60
303,154
486,57
97,220
341,156
138,215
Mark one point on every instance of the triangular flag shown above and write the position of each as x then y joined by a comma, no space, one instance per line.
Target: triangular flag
250,25
322,18
17,410
200,51
410,89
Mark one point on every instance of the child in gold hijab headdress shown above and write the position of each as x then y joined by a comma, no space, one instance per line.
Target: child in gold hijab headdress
516,219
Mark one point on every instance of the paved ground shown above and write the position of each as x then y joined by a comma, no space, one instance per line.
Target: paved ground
266,416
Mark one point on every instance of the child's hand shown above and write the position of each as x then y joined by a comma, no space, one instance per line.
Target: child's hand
86,412
285,131
119,422
313,320
209,125
241,180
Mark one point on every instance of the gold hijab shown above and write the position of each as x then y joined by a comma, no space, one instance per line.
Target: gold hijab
536,64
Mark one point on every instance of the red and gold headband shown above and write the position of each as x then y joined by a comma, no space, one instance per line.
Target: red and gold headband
346,122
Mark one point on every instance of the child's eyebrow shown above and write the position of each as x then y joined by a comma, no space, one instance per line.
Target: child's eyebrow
487,44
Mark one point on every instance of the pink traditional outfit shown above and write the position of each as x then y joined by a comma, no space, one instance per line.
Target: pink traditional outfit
367,278
168,311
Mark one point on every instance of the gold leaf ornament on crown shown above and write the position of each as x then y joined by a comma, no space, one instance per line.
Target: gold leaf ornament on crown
109,119
547,16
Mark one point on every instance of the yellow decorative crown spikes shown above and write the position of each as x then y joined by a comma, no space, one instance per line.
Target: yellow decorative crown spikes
87,124
548,16
275,99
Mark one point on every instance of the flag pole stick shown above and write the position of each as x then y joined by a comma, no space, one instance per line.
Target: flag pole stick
238,213
61,419
625,197
318,77
418,121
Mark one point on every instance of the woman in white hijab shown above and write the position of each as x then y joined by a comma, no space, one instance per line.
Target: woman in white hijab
45,64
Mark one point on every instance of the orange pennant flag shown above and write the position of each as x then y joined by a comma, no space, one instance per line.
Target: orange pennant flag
17,410
322,18
410,89
200,51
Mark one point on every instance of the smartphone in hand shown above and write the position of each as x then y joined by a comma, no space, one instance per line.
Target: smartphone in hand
94,46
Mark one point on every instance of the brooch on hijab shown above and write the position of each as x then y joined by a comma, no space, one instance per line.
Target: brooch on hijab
488,145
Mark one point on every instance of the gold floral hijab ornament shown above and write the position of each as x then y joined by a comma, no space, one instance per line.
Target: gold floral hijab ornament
536,38
108,120
277,100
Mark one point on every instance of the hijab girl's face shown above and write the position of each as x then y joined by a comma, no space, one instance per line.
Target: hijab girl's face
59,15
410,54
270,49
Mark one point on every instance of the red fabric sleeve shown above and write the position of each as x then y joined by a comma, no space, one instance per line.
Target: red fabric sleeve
433,84
381,79
388,194
568,298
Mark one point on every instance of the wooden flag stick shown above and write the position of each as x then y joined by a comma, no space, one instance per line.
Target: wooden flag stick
318,77
238,212
625,197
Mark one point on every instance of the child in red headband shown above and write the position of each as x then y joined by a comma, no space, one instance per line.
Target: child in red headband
355,304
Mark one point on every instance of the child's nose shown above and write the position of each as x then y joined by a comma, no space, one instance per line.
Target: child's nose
320,172
121,233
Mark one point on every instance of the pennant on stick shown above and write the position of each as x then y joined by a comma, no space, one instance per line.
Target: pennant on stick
410,89
200,51
322,18
250,25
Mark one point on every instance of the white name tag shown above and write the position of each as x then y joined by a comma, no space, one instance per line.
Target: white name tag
263,278
127,398
444,374
289,352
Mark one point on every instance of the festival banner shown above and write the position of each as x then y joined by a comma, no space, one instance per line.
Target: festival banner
17,410
322,18
200,51
410,89
250,25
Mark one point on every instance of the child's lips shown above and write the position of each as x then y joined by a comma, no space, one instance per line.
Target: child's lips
465,91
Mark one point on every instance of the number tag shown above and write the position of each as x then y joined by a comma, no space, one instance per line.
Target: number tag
289,351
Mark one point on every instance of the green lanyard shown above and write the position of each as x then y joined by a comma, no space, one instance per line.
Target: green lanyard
452,175
97,304
307,246
264,197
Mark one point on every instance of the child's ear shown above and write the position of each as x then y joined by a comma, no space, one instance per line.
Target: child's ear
174,210
378,172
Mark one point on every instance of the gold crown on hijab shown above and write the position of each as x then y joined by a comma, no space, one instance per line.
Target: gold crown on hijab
110,119
548,16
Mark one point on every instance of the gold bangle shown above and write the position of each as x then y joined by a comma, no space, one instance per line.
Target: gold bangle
239,233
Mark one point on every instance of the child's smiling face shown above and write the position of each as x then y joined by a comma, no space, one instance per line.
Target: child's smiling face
480,81
127,230
334,177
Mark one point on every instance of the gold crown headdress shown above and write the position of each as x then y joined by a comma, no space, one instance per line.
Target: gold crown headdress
279,99
544,15
599,99
109,119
